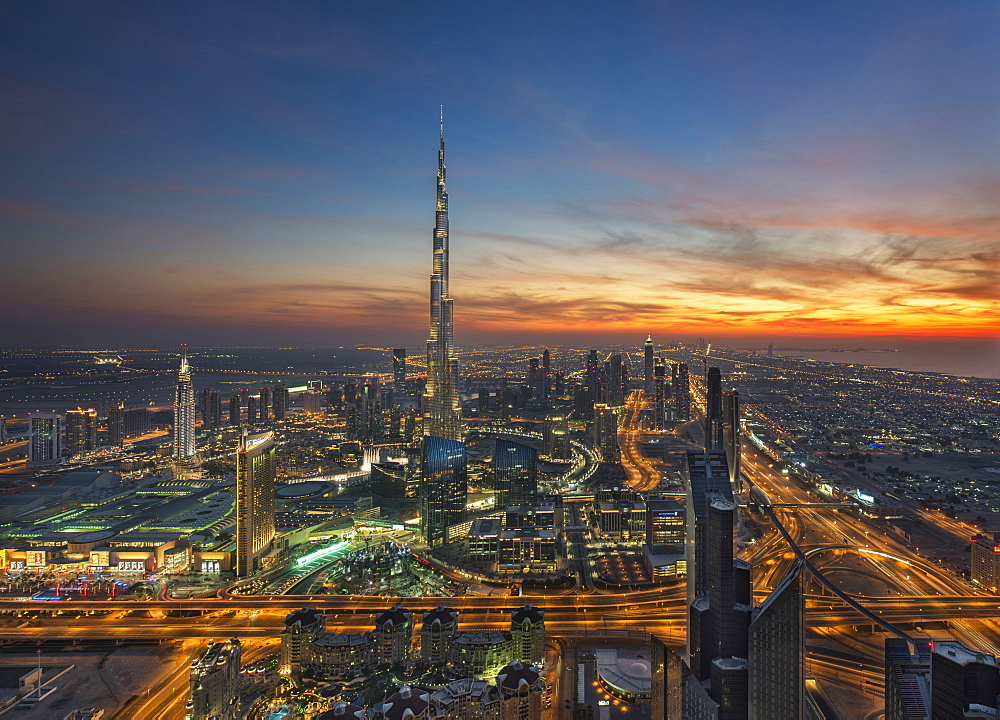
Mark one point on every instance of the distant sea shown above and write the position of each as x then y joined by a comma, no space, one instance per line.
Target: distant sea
967,359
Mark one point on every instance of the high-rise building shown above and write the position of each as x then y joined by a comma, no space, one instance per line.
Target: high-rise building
515,473
441,407
617,380
255,473
713,410
253,415
593,376
676,692
750,662
606,432
682,392
648,363
986,563
770,349
399,371
215,682
444,487
664,526
211,409
555,438
3,431
81,431
45,442
660,393
184,412
732,435
279,401
235,411
963,680
939,680
126,423
264,409
907,679
776,662
546,388
312,402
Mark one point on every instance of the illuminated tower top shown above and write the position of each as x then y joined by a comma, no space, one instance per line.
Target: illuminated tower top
442,409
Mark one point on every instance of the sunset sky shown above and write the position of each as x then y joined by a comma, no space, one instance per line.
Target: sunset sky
263,173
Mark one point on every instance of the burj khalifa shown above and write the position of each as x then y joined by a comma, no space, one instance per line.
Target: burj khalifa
442,410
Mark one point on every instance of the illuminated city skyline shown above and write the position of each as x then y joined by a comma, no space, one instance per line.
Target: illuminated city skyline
726,171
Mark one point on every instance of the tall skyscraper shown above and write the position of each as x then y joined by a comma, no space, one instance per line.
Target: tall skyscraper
660,393
749,661
713,410
235,411
648,363
617,380
264,409
3,431
776,671
441,406
546,375
606,432
399,371
731,435
255,473
555,438
593,376
682,392
279,401
184,412
81,431
211,409
444,487
45,442
515,473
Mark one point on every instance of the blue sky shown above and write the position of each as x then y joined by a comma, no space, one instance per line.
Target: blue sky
245,172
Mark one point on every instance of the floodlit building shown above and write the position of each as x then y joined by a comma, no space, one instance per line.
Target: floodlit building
255,474
184,413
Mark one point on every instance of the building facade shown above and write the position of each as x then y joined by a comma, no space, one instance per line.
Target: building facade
443,487
255,473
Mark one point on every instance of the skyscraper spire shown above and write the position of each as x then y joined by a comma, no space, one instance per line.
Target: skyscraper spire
442,410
